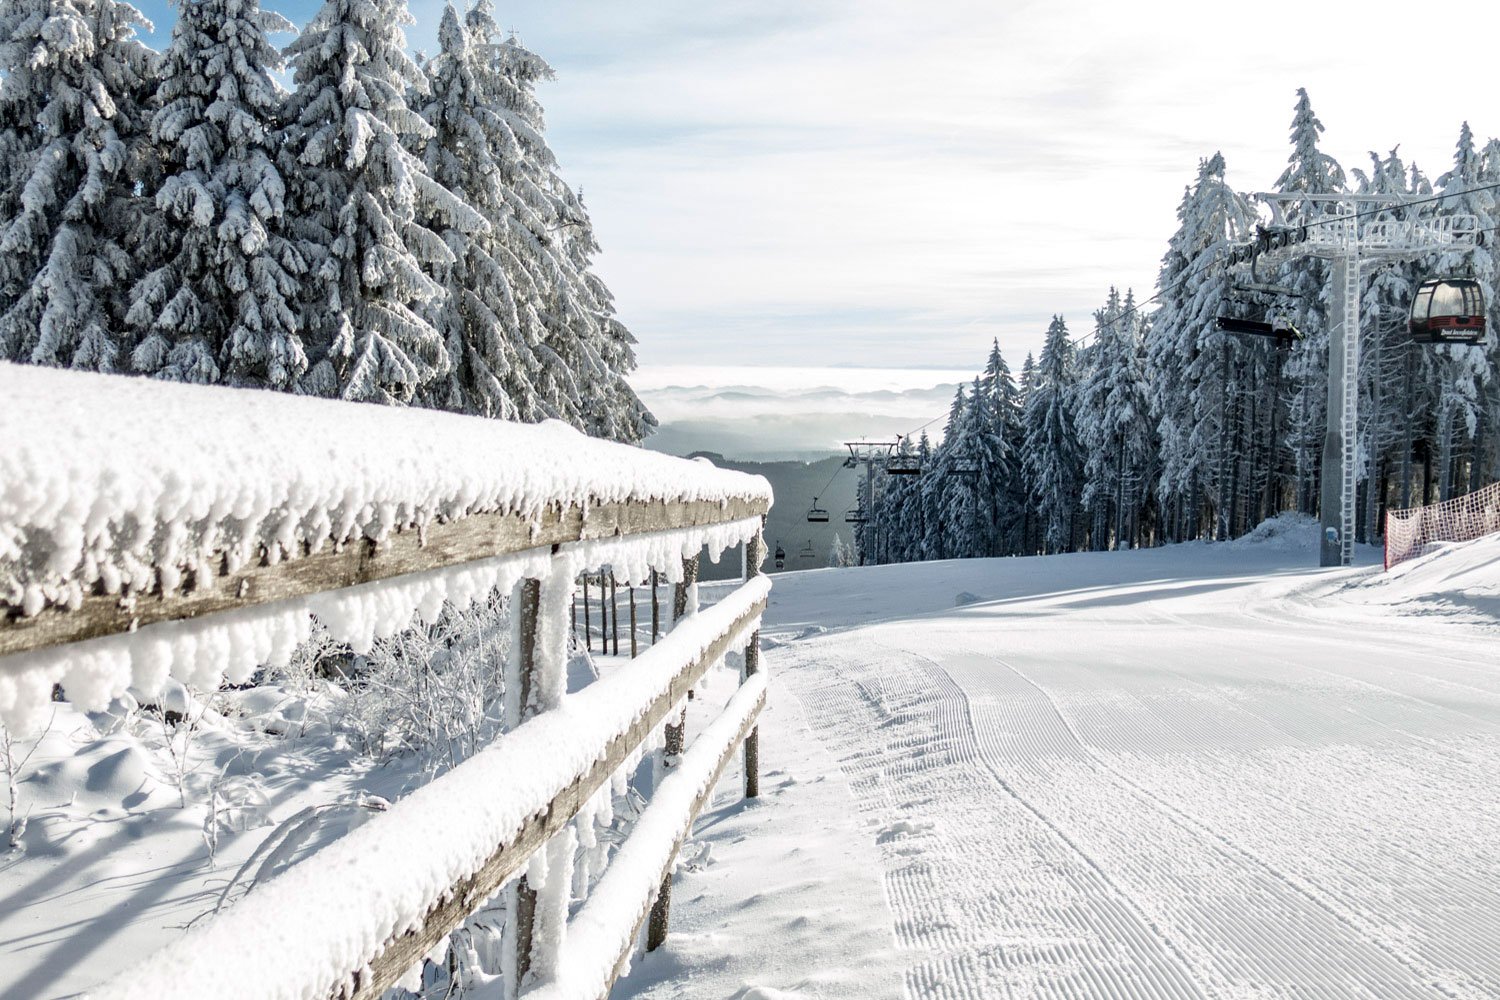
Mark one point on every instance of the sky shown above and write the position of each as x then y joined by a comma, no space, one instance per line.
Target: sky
891,185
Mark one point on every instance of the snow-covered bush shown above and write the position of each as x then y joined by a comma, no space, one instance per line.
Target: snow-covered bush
436,691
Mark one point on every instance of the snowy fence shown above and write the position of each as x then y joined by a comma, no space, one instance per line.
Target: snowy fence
1408,533
198,540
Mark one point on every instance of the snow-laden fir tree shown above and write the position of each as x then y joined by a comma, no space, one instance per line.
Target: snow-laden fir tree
1462,371
611,408
218,298
1052,463
583,351
839,553
939,503
1003,488
971,458
1197,372
359,197
75,78
1309,171
1027,379
1113,423
484,323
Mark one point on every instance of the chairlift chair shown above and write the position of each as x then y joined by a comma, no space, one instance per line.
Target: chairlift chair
904,465
1447,311
808,552
856,515
1280,328
816,514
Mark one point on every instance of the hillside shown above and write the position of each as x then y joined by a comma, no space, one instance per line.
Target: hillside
795,484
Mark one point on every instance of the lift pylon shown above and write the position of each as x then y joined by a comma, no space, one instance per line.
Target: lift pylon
1349,230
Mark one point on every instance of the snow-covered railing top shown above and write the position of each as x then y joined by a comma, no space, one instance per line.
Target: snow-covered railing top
149,529
135,501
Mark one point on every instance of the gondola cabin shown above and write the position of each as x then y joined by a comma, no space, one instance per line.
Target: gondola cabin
780,556
1447,311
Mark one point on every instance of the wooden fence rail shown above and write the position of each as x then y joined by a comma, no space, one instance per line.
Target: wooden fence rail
523,770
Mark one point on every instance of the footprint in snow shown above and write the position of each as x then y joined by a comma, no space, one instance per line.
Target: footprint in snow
900,829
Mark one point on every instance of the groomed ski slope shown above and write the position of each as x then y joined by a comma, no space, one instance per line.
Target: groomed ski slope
1203,771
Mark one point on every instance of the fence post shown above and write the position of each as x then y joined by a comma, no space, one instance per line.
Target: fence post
588,635
755,553
632,622
540,657
603,617
614,616
656,928
520,691
655,611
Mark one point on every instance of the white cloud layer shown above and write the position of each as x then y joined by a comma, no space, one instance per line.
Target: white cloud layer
766,413
887,183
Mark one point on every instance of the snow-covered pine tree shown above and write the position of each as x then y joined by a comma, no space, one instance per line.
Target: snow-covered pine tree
1309,171
71,111
1028,378
1463,371
974,460
358,193
482,318
1052,462
938,487
1113,423
584,352
1221,368
1029,543
611,408
1165,350
218,299
1003,490
900,510
1196,373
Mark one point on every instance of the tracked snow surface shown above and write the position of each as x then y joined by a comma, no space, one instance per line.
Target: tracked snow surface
1199,771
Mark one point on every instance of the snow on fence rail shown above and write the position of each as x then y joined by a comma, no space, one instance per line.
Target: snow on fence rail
150,530
1408,533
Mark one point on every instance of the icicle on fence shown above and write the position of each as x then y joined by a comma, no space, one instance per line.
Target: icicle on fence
1409,533
206,553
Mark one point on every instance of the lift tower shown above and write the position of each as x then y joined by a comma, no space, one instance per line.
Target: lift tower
1351,231
869,454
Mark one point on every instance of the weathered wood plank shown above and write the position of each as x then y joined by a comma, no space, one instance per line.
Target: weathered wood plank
403,952
438,545
755,553
647,906
674,737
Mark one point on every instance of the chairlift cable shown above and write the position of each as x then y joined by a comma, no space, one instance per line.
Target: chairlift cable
1083,339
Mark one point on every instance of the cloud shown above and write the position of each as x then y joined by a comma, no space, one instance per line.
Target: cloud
773,413
893,184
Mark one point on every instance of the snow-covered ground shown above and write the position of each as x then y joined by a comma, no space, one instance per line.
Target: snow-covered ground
1206,770
1202,771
